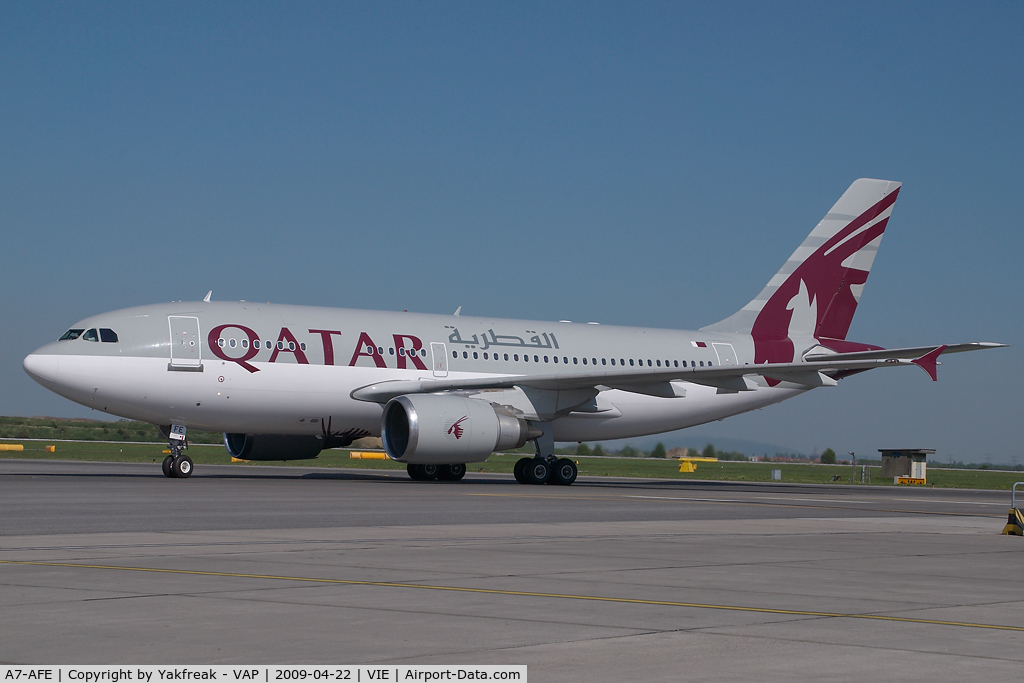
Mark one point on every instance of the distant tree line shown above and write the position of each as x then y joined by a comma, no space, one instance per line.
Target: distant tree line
659,451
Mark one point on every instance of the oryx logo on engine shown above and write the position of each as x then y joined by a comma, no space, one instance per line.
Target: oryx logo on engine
455,428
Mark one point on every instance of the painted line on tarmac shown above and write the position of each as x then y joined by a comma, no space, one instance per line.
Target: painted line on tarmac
528,594
957,502
735,501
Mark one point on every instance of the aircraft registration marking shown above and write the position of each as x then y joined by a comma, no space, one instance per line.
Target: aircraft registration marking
531,594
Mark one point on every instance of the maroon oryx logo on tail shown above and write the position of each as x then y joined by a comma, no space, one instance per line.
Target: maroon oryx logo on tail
456,429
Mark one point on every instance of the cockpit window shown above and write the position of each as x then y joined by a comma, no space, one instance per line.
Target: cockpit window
71,334
108,335
91,335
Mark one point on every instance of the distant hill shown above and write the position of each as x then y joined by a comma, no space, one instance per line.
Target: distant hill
79,429
699,441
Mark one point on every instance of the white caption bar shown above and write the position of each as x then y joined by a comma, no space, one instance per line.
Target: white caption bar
261,674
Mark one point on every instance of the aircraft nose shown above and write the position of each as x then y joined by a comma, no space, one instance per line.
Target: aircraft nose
42,367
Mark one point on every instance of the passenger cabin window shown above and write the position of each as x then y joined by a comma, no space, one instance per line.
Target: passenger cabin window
91,335
71,334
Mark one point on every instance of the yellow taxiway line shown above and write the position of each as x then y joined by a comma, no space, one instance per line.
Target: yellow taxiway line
531,594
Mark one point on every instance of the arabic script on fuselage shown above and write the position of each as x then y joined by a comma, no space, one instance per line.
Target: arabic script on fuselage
485,340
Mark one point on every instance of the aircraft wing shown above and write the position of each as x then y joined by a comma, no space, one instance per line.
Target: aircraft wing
813,372
908,352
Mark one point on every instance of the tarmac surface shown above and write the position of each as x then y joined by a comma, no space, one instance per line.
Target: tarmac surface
607,580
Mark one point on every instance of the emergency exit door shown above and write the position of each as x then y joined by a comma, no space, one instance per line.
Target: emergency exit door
439,358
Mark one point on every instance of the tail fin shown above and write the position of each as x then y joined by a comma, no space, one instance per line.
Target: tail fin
816,291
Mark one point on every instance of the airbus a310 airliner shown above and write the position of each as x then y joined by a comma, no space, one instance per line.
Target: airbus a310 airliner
284,382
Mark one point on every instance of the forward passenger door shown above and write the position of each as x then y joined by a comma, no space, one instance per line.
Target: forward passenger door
185,343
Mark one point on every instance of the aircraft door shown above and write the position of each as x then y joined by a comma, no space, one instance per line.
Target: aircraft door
185,342
726,354
439,358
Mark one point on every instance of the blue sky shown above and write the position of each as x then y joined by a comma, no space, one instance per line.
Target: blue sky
630,163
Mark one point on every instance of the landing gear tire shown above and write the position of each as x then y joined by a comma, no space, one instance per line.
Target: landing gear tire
451,472
166,467
565,472
181,467
538,471
422,472
519,470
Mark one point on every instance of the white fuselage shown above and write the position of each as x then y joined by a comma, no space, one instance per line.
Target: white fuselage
198,365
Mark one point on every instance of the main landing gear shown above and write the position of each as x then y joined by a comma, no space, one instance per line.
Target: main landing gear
177,464
541,470
440,472
545,468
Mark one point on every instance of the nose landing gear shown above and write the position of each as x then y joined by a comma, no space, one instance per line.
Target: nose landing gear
177,464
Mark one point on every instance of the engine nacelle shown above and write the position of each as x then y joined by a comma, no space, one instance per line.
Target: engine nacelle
441,429
273,446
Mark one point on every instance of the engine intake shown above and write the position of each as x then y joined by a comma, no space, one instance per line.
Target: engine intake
440,429
273,446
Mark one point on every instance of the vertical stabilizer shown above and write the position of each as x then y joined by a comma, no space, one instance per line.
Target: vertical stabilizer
815,293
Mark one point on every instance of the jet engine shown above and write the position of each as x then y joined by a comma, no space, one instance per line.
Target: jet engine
272,446
443,429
